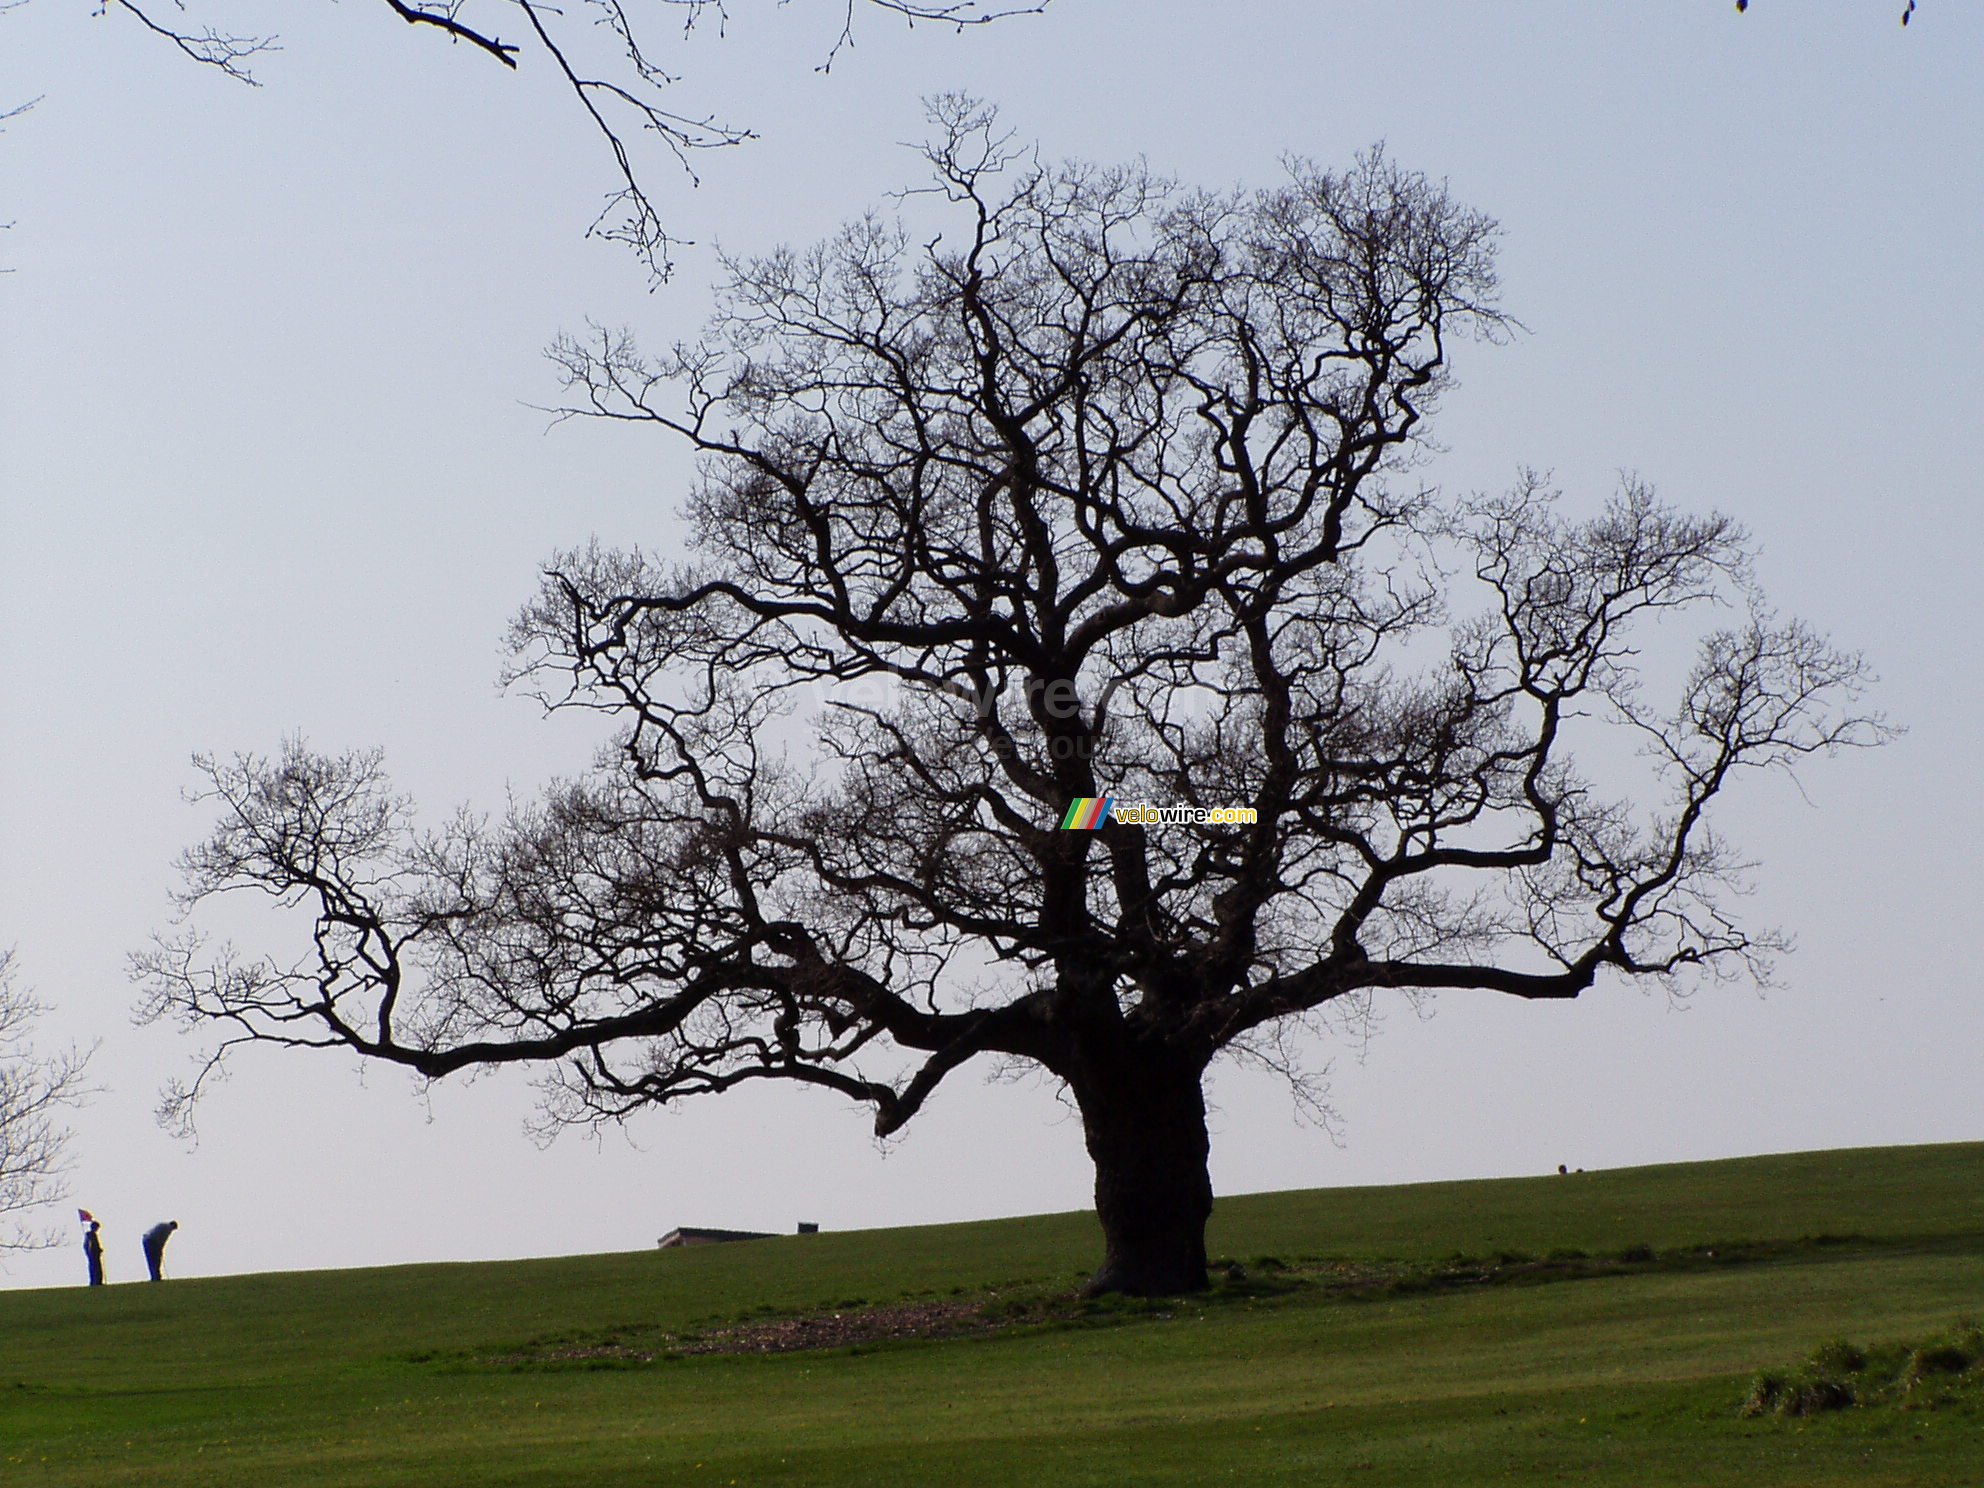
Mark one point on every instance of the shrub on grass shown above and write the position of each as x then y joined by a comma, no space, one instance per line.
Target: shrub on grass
1837,1356
1814,1396
1768,1387
1839,1374
1774,1393
1937,1359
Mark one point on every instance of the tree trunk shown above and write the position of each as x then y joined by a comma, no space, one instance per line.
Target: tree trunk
1144,1115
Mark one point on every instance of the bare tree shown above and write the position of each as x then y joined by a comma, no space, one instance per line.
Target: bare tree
609,54
1104,491
34,1087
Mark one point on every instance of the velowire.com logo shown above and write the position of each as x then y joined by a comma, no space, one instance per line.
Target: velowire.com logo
1086,813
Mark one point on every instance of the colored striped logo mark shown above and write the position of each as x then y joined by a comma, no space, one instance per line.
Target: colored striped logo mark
1086,813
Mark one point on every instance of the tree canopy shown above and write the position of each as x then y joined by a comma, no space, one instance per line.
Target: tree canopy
1081,487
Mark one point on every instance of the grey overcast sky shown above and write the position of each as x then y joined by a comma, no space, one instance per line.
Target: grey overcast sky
267,463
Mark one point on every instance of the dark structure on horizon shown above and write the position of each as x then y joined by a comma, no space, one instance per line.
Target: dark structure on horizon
677,1238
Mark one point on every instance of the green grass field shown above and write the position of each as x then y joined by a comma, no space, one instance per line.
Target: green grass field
406,1375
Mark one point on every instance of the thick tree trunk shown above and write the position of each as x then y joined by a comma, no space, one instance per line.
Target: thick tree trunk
1144,1115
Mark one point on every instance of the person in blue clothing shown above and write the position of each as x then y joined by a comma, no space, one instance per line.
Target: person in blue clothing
93,1250
155,1239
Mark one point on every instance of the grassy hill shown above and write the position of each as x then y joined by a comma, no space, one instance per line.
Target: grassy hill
1356,1348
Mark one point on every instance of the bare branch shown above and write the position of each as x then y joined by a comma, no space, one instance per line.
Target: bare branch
622,87
218,49
415,15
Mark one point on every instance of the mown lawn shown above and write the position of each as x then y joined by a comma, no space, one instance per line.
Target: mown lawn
394,1375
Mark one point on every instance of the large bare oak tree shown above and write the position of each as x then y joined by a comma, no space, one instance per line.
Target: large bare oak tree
1103,490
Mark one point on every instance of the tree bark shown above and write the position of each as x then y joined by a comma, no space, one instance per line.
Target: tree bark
1144,1117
